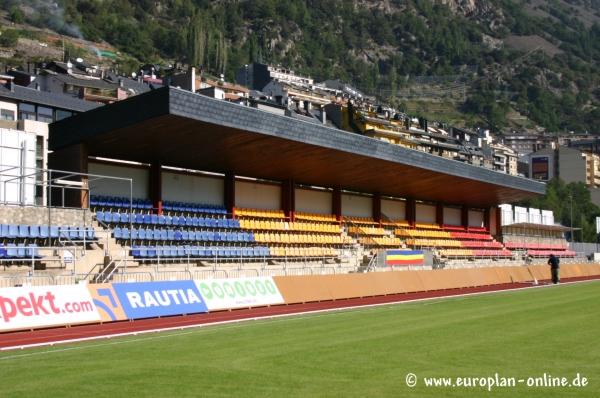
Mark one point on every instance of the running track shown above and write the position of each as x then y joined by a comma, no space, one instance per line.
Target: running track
22,339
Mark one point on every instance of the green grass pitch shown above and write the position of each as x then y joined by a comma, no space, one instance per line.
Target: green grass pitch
356,353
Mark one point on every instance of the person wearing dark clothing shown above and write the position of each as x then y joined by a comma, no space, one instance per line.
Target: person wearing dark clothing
554,263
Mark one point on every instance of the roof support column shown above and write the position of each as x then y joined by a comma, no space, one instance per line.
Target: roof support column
71,158
156,187
464,217
336,203
288,198
439,213
377,207
229,193
411,211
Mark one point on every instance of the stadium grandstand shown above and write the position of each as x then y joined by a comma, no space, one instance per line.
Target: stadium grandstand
172,181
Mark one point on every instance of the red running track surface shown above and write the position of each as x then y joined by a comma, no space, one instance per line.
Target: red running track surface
56,335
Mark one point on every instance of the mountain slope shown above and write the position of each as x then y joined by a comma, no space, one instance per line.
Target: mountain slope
538,58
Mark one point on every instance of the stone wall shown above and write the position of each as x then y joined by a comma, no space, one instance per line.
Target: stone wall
43,215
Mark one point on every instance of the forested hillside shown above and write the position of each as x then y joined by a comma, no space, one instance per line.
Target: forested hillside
539,58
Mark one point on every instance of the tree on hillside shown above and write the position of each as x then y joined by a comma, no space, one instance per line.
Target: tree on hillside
561,198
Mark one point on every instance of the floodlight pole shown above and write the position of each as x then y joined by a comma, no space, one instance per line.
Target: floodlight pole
571,202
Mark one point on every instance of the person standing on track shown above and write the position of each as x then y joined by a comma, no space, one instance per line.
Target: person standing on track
554,263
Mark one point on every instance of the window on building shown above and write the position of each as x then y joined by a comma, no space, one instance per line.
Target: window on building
26,112
7,114
44,114
60,114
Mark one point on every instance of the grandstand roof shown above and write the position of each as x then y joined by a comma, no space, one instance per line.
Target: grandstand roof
183,129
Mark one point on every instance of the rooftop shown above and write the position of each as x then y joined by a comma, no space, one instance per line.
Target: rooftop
182,129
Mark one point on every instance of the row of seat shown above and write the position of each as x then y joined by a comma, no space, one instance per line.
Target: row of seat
433,242
258,213
198,251
373,231
492,253
328,218
269,225
20,251
154,219
11,231
475,253
360,220
287,251
421,233
483,244
471,235
182,235
119,202
301,238
535,246
547,253
186,207
386,241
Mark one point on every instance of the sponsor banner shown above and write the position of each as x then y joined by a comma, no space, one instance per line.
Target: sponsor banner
107,303
43,306
404,257
153,299
222,294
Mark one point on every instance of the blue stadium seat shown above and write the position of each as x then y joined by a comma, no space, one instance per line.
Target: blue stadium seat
164,234
178,235
175,221
134,234
171,251
170,234
63,232
34,231
168,220
80,232
3,252
147,219
143,251
44,232
21,252
135,251
100,216
154,219
139,218
54,231
115,217
126,234
11,250
185,235
142,234
32,251
90,233
124,218
13,231
181,251
151,251
192,236
117,233
73,233
4,231
162,220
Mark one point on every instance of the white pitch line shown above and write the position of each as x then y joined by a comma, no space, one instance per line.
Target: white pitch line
298,315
